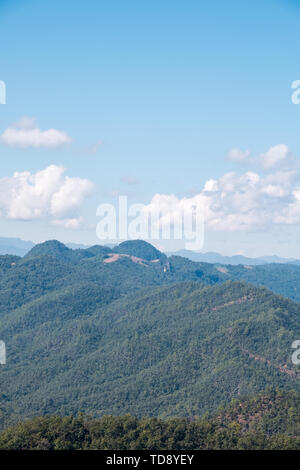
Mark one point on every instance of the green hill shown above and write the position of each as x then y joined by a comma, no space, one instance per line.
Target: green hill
102,330
52,248
140,249
51,265
169,350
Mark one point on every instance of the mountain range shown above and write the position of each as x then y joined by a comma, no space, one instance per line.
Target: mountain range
127,329
216,258
19,247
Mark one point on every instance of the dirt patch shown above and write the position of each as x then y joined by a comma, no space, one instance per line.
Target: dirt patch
113,257
222,269
241,300
284,369
137,260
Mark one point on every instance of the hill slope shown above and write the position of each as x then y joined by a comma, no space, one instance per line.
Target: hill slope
170,350
51,265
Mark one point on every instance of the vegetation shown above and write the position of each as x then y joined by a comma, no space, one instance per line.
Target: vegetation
265,422
150,339
140,249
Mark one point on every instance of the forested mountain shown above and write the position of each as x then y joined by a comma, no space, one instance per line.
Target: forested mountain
283,279
84,333
128,330
18,247
269,421
130,266
140,249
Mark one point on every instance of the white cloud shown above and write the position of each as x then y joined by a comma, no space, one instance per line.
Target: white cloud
211,186
69,195
238,155
234,202
45,194
25,134
274,155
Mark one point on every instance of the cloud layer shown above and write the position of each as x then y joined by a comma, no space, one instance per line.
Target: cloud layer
25,134
274,155
47,194
243,202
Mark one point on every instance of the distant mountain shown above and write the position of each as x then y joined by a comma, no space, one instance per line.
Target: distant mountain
77,246
18,247
14,246
296,262
277,259
212,257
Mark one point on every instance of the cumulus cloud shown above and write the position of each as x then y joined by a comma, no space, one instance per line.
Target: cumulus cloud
48,193
25,134
277,156
240,202
274,155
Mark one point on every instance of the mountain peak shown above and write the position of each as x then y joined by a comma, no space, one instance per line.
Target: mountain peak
140,249
50,247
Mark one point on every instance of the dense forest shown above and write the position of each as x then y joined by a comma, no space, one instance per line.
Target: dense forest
269,421
127,330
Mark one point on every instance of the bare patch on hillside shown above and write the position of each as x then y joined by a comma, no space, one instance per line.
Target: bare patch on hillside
222,269
113,257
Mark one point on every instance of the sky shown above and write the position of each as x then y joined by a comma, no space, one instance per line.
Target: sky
169,103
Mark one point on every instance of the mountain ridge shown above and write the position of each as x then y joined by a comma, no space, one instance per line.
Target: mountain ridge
188,347
19,247
217,258
167,338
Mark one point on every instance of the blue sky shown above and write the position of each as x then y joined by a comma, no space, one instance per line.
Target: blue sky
153,97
